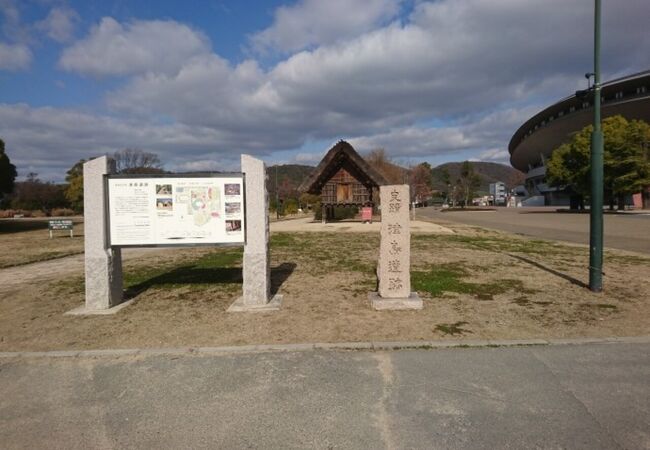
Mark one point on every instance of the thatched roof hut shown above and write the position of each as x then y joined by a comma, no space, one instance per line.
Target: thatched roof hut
343,178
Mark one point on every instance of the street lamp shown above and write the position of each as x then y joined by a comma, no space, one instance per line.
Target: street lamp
596,209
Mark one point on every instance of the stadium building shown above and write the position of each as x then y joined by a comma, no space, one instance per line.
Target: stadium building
532,144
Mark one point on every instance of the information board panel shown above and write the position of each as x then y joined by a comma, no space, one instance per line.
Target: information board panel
176,210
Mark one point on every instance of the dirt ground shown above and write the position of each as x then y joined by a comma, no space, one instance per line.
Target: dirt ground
475,285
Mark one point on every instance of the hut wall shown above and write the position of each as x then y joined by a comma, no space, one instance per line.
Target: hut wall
343,188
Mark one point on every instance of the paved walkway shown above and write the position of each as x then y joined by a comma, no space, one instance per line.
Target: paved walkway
592,396
308,224
622,231
12,277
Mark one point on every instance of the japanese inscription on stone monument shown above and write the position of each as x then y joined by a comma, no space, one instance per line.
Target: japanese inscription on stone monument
394,253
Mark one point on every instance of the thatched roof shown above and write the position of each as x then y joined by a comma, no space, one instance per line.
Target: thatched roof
342,155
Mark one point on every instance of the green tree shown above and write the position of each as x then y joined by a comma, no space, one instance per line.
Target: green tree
446,179
7,173
626,161
74,191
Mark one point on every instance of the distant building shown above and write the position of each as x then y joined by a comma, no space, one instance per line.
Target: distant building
499,193
533,143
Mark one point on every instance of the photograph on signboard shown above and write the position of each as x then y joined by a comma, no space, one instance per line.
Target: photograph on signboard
233,189
233,226
163,189
233,208
164,204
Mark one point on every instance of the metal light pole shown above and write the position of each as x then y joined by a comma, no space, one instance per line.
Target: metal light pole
596,209
277,196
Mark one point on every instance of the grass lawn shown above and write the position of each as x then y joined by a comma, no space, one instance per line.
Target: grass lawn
475,284
25,241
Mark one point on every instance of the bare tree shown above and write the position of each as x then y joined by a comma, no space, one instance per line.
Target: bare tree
137,161
420,181
380,161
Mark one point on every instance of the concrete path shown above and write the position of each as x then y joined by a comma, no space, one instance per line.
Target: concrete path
12,277
308,224
622,231
592,396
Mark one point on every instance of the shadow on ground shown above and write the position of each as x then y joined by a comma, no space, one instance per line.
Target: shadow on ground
195,275
564,276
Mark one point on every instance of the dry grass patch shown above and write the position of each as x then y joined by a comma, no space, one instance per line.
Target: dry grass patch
25,241
475,284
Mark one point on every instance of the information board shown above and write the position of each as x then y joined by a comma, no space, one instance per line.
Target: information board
176,210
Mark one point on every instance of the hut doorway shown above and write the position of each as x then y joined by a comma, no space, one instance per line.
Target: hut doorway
344,193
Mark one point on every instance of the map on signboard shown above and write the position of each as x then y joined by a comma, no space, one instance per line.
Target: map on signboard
201,202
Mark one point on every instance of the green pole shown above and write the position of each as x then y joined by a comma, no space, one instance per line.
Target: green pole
596,209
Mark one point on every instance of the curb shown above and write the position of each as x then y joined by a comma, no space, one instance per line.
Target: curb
359,346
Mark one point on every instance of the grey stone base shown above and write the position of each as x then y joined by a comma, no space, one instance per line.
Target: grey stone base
272,305
413,301
83,311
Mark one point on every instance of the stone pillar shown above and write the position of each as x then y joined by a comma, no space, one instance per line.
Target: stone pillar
103,265
394,268
257,270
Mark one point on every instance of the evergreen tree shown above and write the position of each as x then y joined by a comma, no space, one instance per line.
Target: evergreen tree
626,160
7,173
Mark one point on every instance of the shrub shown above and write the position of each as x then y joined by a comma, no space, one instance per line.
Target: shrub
62,212
290,206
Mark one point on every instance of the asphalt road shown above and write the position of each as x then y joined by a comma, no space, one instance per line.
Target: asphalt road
622,231
594,396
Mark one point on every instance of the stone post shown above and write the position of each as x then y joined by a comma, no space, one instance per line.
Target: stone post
103,265
394,268
257,270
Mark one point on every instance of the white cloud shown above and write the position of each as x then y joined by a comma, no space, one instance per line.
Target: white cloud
495,155
59,24
14,57
456,76
452,59
493,130
307,158
50,140
316,22
112,48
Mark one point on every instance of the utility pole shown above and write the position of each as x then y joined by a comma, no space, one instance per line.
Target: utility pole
277,201
596,208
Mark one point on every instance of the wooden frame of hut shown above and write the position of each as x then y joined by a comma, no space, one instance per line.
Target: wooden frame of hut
343,178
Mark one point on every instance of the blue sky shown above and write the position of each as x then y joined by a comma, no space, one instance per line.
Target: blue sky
200,82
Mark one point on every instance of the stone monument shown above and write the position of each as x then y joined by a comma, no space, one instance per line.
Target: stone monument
394,268
257,270
103,264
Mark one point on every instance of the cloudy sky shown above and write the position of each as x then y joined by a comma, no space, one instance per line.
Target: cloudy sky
200,82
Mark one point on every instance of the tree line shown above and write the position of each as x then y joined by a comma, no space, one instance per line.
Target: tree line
33,194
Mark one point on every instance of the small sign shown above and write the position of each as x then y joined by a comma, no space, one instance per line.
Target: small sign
366,214
60,224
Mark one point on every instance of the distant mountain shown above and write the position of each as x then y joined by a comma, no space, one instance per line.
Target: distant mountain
487,171
289,177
